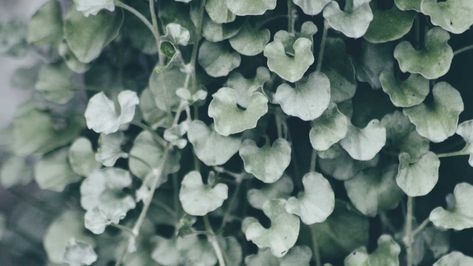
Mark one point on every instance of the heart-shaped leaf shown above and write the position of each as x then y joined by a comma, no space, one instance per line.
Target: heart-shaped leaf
374,189
103,198
317,201
163,85
418,178
465,130
283,233
453,16
352,23
102,115
218,11
250,7
438,119
311,7
364,143
454,258
432,61
372,60
197,198
93,7
250,40
328,129
45,26
215,32
388,24
459,214
53,171
387,253
81,157
102,29
308,99
290,67
217,59
55,83
268,162
230,117
210,147
404,93
153,115
280,189
110,149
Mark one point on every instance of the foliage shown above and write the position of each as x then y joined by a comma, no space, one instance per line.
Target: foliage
231,132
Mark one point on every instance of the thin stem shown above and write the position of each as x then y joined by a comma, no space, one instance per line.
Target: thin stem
122,255
313,161
139,16
277,120
421,227
453,154
154,21
408,231
230,207
290,16
270,19
464,49
322,47
123,228
214,242
315,247
131,156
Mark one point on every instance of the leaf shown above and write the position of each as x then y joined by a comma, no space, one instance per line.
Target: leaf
311,7
65,227
163,85
338,67
197,198
218,11
283,233
438,119
459,214
102,29
70,60
420,177
154,116
387,253
250,40
388,24
53,172
79,253
165,251
297,256
102,115
215,32
374,189
250,7
110,149
177,34
432,61
404,93
229,117
317,201
13,38
245,87
289,67
335,238
328,129
217,59
408,4
454,258
364,143
308,100
232,250
210,147
196,251
103,198
93,7
352,23
46,136
45,26
147,149
267,163
465,130
372,60
453,16
279,189
55,83
81,157
15,171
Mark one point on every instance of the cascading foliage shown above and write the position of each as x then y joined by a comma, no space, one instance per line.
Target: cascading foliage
241,132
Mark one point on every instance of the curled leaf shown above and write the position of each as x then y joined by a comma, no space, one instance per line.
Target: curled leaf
217,60
404,93
387,253
110,149
465,130
79,253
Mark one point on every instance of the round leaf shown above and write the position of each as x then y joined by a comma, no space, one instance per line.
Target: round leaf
53,171
364,143
465,130
110,149
46,24
408,4
81,157
280,189
387,254
453,16
55,83
93,7
311,7
15,171
352,23
420,177
250,40
163,85
250,7
217,59
328,129
454,258
218,11
79,253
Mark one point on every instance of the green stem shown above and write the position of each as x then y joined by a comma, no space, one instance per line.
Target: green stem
313,161
230,207
214,242
270,19
320,59
421,227
464,49
140,17
408,231
315,247
290,17
453,154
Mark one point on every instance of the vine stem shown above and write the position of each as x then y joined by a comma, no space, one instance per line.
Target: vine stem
315,247
313,160
322,47
290,17
154,22
462,152
464,49
421,227
408,231
214,242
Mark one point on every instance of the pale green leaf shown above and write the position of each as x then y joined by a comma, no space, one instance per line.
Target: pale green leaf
371,61
153,115
55,83
460,215
93,7
280,189
283,233
408,4
328,129
364,143
218,11
297,256
267,163
250,7
81,157
352,23
163,85
250,40
45,26
386,254
454,258
110,149
79,253
311,7
102,115
432,61
217,59
53,172
438,119
15,171
196,251
70,59
308,99
418,178
214,32
178,34
165,251
465,130
317,201
404,93
198,198
452,15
